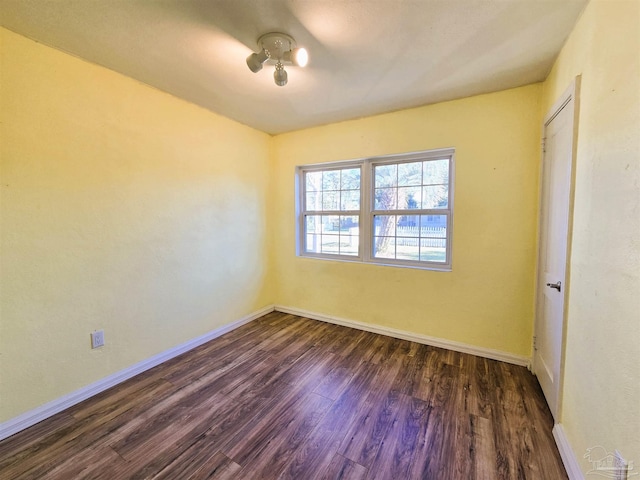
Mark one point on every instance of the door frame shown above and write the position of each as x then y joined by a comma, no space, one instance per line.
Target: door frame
572,93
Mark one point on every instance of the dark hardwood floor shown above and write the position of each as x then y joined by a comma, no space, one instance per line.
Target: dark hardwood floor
289,397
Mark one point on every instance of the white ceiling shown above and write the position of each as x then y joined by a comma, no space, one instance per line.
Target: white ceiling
366,56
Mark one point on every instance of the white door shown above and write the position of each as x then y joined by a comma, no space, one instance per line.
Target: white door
553,247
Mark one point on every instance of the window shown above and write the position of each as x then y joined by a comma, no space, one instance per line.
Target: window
394,210
331,215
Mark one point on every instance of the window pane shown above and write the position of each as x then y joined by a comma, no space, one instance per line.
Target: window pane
386,175
349,234
385,198
408,226
349,225
313,181
384,225
436,196
410,174
313,201
349,244
433,250
433,242
312,224
330,244
312,243
435,171
433,226
350,200
409,198
384,247
331,180
407,248
350,179
331,224
330,200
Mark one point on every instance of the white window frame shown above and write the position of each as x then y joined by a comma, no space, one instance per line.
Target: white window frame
301,212
367,211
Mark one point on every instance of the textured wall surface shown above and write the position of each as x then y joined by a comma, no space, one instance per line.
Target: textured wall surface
602,373
123,208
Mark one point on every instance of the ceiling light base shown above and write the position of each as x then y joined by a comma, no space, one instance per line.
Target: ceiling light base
277,49
276,44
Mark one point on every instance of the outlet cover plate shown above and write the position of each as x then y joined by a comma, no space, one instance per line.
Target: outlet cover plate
97,339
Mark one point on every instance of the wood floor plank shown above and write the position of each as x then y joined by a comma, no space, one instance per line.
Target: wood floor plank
363,439
424,383
412,366
280,318
88,463
166,427
198,463
373,345
393,459
338,378
22,443
88,432
353,339
437,445
319,449
247,443
289,397
196,367
485,466
267,450
342,468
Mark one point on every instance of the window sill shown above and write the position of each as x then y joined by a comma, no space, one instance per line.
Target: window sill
382,263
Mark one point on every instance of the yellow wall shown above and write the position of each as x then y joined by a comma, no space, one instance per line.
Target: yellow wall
123,208
602,384
487,300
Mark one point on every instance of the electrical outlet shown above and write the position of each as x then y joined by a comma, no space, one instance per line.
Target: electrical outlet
97,339
620,465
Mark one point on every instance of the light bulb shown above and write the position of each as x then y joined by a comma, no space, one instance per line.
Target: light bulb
299,57
280,75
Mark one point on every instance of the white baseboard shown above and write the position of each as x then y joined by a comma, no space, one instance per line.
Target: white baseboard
413,337
27,419
566,453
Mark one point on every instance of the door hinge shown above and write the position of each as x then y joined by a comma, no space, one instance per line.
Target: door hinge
535,342
544,145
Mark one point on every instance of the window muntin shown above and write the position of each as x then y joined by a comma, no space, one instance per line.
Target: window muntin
394,210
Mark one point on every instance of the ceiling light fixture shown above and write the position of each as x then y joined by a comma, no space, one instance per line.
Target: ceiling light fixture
281,50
